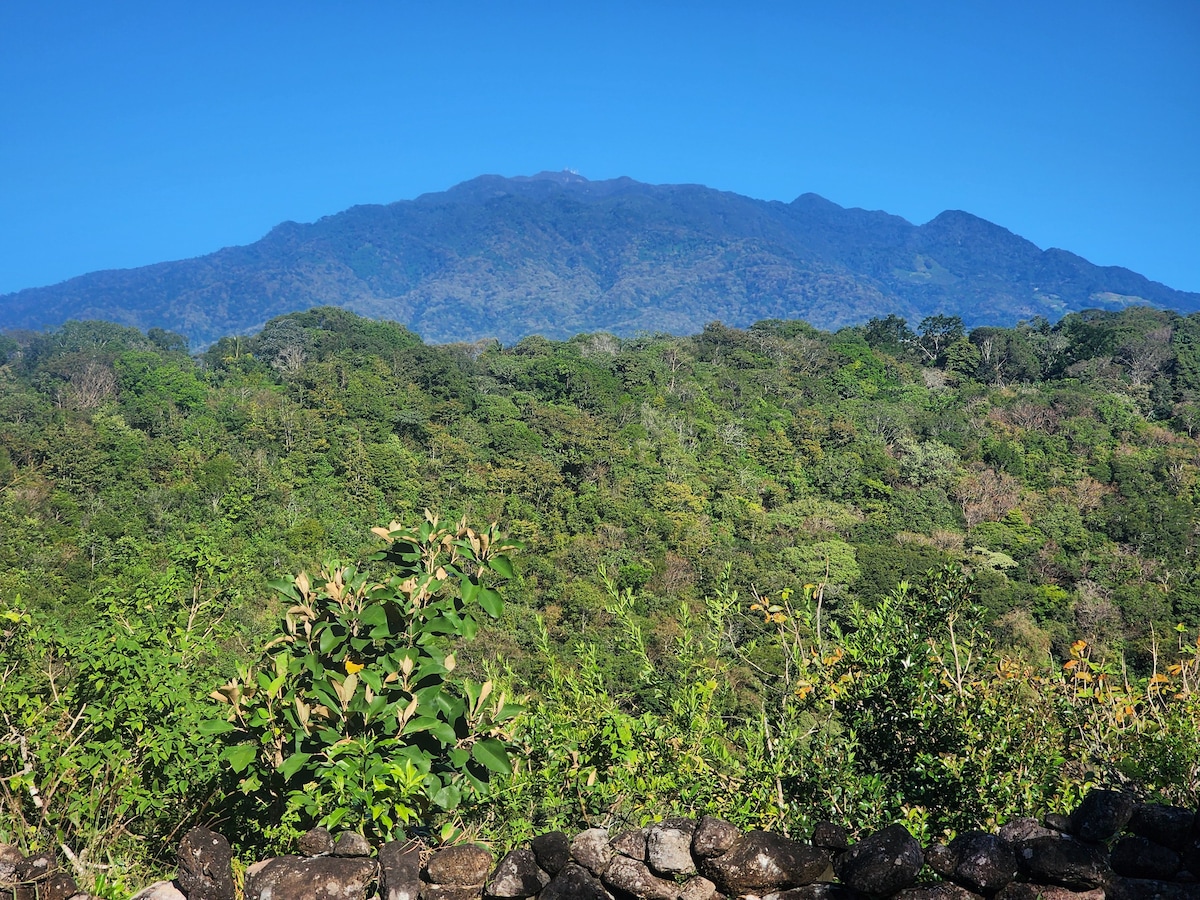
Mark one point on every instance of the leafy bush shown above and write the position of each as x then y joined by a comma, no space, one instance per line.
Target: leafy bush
99,719
903,710
353,717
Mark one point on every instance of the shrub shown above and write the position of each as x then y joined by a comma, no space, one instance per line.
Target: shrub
354,717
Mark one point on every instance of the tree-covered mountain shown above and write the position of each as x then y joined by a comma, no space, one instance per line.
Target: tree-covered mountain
556,255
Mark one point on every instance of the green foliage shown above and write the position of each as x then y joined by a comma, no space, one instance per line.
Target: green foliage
98,748
891,335
131,476
778,714
938,333
354,718
593,749
930,726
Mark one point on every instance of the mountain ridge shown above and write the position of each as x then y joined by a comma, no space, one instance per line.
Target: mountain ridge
555,254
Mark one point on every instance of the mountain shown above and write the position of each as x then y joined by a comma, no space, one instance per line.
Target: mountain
556,254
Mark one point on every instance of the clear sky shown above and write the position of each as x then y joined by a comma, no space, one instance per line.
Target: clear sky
136,132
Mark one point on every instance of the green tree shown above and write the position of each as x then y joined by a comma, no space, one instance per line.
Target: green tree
891,335
354,716
937,333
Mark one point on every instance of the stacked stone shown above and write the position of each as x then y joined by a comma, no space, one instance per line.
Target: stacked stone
676,859
1110,848
36,877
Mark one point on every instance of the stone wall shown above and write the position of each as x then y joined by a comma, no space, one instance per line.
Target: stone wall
1110,847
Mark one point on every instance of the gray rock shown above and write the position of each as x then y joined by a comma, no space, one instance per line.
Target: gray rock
1138,857
1057,860
1057,822
713,837
575,882
884,863
59,886
631,844
760,861
984,863
10,858
1021,891
451,891
320,878
351,843
161,890
944,891
669,847
205,866
316,841
830,836
1190,854
461,865
628,876
942,859
1101,815
553,851
38,867
1015,831
30,877
697,888
818,891
400,870
1170,826
1147,889
518,875
592,850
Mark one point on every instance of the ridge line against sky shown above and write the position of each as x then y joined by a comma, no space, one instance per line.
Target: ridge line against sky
138,132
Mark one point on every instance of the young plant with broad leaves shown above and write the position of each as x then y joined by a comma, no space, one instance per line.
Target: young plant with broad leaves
354,716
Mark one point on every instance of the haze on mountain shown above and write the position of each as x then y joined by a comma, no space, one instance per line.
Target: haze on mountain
556,254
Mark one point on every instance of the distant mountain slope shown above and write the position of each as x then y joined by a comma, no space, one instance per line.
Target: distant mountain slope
557,254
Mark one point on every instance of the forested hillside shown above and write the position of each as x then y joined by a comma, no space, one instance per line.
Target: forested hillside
1057,463
694,513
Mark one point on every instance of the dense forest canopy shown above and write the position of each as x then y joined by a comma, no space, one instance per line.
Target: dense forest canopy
145,491
1057,463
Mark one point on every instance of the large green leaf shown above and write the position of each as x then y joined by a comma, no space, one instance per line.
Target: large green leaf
335,817
240,756
491,754
378,705
419,723
502,565
329,640
285,587
469,588
374,615
491,602
444,732
327,696
371,677
448,797
447,623
508,711
293,764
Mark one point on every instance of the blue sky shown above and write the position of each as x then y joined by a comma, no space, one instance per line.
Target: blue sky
135,132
